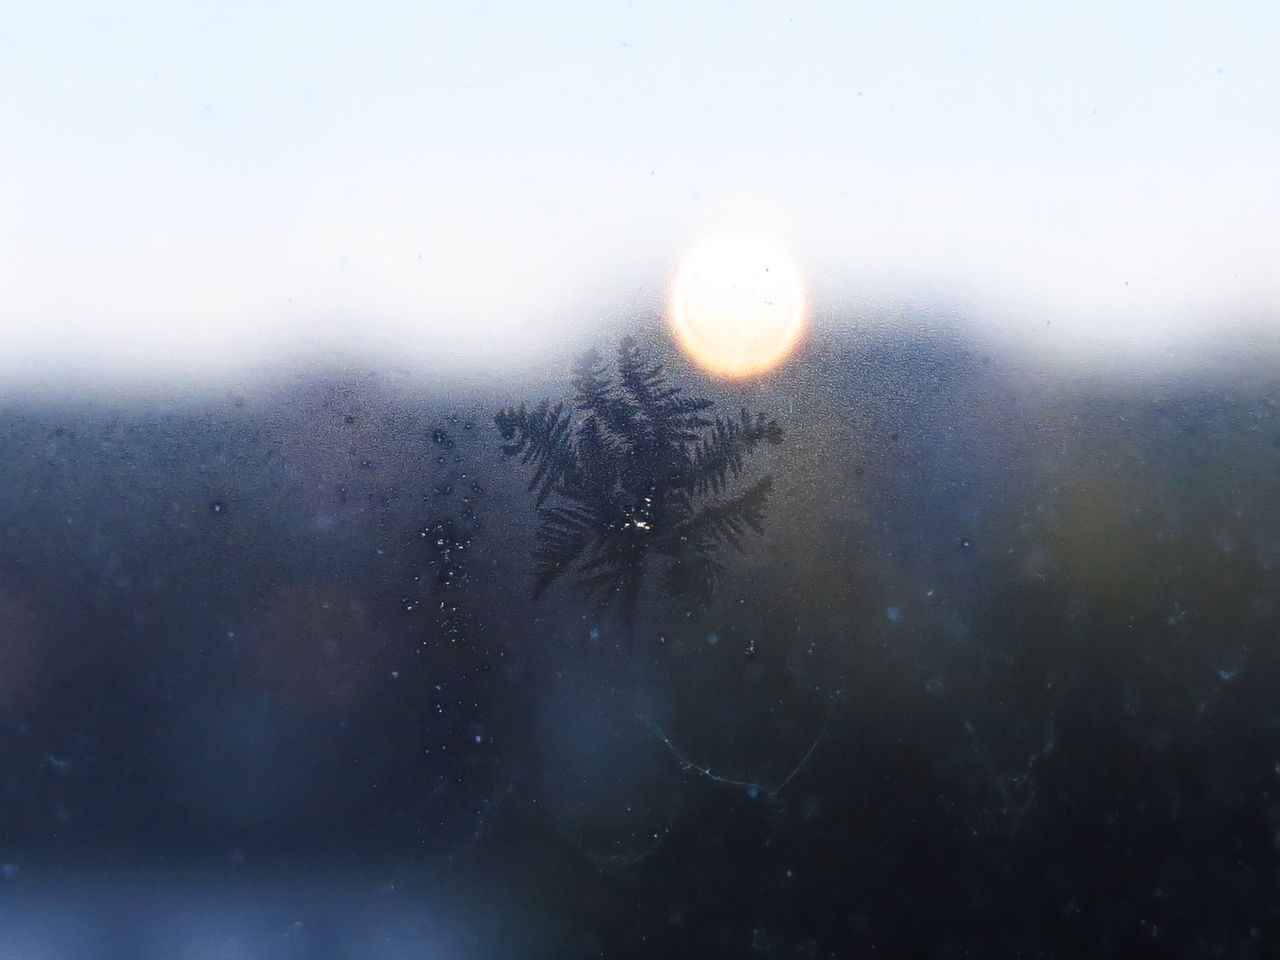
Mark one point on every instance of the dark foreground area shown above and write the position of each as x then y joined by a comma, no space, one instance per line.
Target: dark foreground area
997,679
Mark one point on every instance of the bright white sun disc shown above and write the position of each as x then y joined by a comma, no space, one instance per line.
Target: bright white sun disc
737,306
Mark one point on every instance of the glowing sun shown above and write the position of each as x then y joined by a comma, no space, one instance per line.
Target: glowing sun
737,306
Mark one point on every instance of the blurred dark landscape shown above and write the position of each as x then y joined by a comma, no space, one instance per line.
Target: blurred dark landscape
998,679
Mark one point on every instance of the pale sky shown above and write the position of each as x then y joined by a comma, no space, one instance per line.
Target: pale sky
200,185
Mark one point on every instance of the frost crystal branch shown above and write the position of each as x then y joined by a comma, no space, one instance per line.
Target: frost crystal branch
631,474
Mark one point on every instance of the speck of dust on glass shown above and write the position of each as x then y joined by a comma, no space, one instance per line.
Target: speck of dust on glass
786,483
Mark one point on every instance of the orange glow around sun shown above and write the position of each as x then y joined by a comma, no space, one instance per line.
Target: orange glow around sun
737,305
